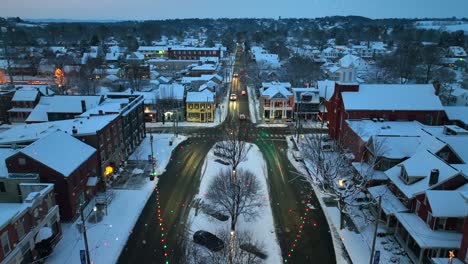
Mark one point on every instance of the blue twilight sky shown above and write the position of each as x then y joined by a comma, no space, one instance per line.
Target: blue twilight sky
164,9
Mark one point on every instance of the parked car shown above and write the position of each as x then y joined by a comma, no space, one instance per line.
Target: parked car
208,240
243,92
242,117
233,97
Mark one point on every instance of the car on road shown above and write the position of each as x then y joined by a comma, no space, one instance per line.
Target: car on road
243,92
233,97
235,75
208,240
242,117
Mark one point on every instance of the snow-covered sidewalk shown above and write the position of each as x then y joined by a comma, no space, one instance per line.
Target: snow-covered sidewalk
107,238
357,245
262,227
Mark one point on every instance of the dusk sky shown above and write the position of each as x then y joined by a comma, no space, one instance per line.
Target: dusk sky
159,9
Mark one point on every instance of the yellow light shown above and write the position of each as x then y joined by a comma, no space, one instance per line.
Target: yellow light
341,182
109,170
451,254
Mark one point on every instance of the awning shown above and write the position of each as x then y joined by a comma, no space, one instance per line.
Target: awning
43,234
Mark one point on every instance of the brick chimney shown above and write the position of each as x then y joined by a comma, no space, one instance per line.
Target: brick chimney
83,106
436,87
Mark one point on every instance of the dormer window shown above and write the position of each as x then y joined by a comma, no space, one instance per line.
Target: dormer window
408,179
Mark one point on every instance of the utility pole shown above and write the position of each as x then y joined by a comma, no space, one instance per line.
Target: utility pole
375,230
85,236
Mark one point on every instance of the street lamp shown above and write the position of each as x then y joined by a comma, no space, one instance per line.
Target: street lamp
85,236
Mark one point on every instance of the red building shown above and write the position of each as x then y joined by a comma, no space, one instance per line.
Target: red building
390,102
60,159
30,229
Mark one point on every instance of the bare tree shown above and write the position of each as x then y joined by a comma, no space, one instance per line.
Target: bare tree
333,173
232,150
241,196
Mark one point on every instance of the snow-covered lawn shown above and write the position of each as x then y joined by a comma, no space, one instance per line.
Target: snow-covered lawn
254,105
107,238
262,227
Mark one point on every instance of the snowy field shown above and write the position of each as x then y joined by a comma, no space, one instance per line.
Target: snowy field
262,227
107,238
450,26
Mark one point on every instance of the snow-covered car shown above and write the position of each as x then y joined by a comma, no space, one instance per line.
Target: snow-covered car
243,92
242,117
208,240
235,75
233,97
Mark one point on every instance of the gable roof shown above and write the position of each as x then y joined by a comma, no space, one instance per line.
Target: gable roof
447,203
416,97
273,90
60,152
420,165
203,97
171,91
61,104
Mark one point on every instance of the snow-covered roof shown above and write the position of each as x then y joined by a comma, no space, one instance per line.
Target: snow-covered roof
135,55
401,147
447,203
204,67
326,88
426,237
457,51
10,210
390,203
32,132
457,113
420,166
25,95
59,151
152,48
274,90
446,260
352,60
417,97
366,171
203,97
171,91
61,104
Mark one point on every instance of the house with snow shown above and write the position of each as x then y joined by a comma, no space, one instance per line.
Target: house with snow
61,107
61,159
194,53
306,103
276,102
426,168
201,69
153,52
24,101
200,106
29,227
383,101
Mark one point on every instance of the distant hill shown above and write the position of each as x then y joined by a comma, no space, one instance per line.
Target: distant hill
64,20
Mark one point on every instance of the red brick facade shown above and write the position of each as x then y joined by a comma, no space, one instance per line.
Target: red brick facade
68,190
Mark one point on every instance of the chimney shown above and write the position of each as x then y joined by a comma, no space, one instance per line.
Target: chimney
101,112
436,87
434,177
83,106
74,130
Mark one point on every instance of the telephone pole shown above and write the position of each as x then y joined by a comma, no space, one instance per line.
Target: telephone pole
371,261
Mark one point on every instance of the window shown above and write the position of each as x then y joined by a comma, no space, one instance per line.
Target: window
190,106
5,243
429,219
418,205
20,228
2,187
196,106
21,161
440,224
